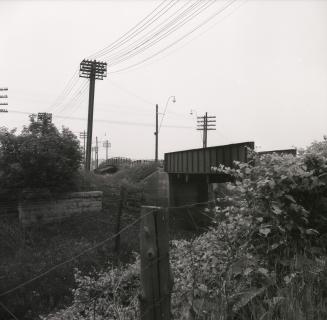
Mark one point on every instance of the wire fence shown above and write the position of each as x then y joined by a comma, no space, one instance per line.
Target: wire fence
135,200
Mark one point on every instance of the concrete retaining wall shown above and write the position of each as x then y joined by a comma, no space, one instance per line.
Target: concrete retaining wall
46,211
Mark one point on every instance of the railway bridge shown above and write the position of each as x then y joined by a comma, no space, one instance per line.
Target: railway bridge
190,171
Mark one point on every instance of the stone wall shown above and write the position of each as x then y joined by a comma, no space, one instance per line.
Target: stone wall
45,211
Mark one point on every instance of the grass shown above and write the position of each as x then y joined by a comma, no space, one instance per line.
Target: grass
27,253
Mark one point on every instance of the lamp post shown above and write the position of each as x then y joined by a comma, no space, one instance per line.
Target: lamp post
158,129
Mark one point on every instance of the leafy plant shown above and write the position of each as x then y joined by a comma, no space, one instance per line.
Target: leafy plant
39,157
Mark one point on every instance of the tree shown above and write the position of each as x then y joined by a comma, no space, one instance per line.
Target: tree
40,157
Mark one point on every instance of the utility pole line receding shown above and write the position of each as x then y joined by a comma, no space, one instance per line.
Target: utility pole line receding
156,134
92,70
206,123
107,145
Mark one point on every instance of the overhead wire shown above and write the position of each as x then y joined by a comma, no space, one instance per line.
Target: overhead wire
165,31
66,91
200,34
176,41
170,24
74,79
144,124
139,27
81,88
74,104
131,93
153,32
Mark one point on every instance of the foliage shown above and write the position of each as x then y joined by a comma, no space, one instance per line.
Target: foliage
39,157
264,258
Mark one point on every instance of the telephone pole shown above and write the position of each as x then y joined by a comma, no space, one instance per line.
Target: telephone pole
96,153
44,117
93,70
107,145
206,123
82,135
3,96
156,134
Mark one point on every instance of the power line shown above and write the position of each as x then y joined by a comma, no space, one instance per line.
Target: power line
171,26
153,33
139,27
132,93
176,41
74,79
79,93
145,124
68,88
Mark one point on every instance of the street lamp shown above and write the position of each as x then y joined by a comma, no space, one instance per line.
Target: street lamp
157,130
164,113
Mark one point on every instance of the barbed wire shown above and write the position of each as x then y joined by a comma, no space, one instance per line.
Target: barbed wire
99,244
6,308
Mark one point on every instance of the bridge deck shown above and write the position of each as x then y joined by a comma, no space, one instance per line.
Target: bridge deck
200,161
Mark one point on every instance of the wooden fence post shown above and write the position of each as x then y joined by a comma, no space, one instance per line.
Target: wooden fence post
156,279
123,192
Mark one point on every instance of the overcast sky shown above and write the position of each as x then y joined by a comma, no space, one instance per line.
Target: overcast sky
259,66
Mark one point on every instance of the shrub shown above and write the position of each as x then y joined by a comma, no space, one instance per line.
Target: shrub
39,157
263,258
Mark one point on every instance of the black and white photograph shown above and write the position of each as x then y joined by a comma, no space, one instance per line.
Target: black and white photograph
163,160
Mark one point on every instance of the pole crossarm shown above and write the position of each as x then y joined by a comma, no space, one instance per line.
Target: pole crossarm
87,67
44,117
206,123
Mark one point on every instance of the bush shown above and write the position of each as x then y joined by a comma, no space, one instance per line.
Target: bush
263,258
39,157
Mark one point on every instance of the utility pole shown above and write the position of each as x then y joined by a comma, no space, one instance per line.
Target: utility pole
107,145
156,134
3,96
206,123
96,153
92,164
92,70
44,117
82,135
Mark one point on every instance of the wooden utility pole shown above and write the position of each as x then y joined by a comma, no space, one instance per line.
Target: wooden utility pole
156,134
107,145
3,96
96,153
123,194
206,123
156,279
83,136
92,70
92,158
